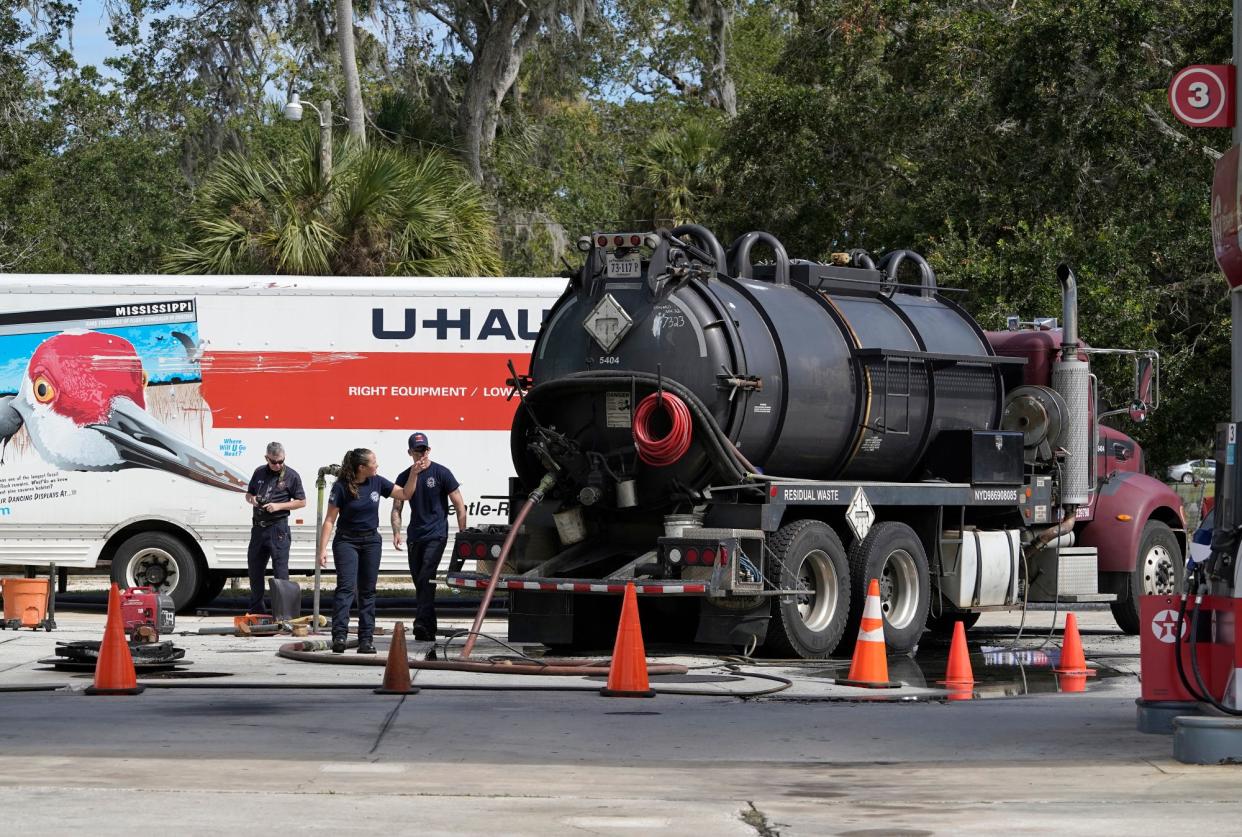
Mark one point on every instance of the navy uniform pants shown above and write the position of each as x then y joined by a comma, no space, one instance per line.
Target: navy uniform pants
357,561
424,561
266,542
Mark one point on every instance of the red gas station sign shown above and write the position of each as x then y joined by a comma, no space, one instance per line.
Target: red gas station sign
1201,95
1226,217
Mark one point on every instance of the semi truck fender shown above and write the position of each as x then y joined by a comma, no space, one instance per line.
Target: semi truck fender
1125,503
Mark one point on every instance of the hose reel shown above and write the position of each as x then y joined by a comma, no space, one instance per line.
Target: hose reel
1040,414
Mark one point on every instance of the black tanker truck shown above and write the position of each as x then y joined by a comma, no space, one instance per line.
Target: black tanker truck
750,444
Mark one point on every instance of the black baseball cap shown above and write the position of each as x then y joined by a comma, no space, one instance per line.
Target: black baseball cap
419,440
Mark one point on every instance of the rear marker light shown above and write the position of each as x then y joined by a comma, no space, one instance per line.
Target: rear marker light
480,550
692,556
618,240
635,240
724,555
602,241
709,556
463,549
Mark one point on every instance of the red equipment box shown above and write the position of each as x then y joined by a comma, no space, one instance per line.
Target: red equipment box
144,606
1157,644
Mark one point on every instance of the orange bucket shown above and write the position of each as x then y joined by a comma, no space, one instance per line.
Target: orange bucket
25,600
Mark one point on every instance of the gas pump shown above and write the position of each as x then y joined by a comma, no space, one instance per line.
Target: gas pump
1190,654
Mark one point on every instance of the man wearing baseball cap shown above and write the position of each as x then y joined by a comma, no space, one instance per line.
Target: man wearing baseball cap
434,488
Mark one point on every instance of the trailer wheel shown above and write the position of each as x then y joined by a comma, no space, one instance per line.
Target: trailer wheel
893,554
808,556
159,560
1158,571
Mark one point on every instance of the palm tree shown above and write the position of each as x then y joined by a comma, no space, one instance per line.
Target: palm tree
382,211
676,173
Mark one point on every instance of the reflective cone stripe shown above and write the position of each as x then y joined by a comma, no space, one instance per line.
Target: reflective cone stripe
627,674
114,670
869,667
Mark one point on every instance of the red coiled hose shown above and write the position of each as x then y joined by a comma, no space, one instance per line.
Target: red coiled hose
672,447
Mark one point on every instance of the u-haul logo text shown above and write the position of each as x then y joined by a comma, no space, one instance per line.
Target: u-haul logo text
458,324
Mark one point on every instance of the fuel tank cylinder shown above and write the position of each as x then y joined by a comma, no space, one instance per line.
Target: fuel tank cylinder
810,370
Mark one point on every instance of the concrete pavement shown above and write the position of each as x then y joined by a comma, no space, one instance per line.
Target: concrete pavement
446,761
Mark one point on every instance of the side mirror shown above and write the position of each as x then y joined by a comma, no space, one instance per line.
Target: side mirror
1146,386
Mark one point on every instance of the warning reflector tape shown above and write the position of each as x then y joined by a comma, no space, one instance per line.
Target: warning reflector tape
642,588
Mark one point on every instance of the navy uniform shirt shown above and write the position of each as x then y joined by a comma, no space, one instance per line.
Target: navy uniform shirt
359,515
268,486
430,504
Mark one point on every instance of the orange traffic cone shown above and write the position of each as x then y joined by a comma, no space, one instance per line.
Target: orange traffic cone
1073,661
397,669
627,676
869,668
114,670
959,672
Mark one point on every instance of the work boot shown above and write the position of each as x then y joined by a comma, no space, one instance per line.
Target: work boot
338,646
366,646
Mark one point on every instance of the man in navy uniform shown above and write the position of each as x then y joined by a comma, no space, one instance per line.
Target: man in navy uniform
275,489
434,488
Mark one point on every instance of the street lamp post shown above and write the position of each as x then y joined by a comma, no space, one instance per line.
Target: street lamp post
293,111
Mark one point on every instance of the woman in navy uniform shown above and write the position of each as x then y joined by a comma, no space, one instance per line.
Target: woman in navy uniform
353,507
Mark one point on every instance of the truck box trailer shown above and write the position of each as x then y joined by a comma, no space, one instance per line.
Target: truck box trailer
133,409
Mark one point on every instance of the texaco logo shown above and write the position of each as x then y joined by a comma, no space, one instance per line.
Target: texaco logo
1164,626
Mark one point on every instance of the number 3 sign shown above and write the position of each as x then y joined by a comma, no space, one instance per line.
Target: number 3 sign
1202,96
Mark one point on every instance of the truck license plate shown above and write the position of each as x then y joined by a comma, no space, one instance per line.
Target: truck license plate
628,267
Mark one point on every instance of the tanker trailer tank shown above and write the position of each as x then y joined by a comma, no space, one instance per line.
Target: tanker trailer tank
797,369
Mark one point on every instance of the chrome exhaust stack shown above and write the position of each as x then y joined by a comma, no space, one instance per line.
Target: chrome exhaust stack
1071,378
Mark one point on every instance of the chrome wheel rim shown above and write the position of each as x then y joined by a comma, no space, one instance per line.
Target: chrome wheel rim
1159,572
818,596
899,589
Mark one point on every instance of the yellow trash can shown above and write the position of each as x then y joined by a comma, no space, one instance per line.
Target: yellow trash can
25,601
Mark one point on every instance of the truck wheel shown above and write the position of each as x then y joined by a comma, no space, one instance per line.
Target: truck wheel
1158,571
943,624
807,556
892,553
159,560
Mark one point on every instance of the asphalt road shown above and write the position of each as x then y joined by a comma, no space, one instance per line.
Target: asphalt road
445,761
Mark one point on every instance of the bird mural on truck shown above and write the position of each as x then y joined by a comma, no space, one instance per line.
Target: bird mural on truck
82,401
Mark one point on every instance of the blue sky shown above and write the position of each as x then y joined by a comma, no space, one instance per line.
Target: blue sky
90,42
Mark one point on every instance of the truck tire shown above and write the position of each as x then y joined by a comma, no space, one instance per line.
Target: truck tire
807,555
159,560
893,554
1158,570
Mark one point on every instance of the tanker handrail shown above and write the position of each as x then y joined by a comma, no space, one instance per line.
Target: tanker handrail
740,250
705,237
890,263
940,357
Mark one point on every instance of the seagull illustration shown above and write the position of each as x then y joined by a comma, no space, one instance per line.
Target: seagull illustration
82,402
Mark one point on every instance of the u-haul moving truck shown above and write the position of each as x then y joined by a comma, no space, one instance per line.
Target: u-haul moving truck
133,409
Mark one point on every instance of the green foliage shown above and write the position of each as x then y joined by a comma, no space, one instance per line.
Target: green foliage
380,212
